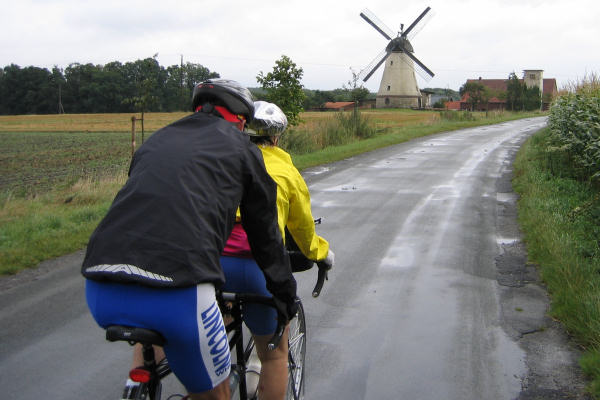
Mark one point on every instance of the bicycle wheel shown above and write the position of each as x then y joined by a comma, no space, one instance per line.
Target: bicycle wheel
137,392
296,354
142,392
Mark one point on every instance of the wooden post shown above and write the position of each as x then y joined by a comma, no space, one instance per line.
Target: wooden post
142,119
132,135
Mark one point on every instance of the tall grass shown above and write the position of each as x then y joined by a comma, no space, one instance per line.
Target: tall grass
339,129
52,224
448,115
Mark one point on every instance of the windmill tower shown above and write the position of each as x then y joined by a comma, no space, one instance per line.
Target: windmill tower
398,88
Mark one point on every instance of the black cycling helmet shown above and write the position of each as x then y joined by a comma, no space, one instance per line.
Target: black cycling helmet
227,93
268,120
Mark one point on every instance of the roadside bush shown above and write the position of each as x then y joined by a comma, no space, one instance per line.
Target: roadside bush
356,124
345,127
297,142
575,126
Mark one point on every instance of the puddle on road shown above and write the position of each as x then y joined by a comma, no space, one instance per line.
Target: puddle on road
317,171
398,257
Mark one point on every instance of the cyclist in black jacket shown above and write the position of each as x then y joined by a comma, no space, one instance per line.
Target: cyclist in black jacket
153,261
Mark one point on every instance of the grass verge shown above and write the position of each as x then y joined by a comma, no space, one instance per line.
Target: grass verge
52,224
398,135
560,218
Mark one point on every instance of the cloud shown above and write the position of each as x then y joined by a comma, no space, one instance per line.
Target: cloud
464,39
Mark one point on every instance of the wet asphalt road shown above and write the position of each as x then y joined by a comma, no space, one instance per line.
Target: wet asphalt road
420,305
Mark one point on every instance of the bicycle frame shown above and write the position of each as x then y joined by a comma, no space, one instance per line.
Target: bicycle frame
230,304
152,373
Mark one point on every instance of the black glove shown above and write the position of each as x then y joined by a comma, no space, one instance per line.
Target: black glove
286,309
327,262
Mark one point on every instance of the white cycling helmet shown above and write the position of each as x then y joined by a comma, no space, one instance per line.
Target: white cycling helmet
268,120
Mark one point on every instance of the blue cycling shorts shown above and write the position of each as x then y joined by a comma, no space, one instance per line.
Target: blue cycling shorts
243,275
189,319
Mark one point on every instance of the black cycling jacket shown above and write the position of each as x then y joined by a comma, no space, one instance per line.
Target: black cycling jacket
169,223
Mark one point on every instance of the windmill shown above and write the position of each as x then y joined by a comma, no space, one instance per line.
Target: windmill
398,86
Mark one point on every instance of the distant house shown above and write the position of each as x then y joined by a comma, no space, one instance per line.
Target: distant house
452,105
531,78
425,100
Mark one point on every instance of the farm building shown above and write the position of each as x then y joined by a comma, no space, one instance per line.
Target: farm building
531,78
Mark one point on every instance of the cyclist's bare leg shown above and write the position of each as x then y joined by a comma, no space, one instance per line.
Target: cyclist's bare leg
220,392
272,384
138,357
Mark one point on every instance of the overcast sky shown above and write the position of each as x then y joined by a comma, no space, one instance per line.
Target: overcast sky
239,38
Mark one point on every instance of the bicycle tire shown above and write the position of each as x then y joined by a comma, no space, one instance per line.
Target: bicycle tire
138,392
142,392
296,356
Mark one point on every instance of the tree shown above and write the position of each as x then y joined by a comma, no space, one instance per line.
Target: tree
316,98
356,93
478,93
283,88
27,91
532,99
514,93
147,76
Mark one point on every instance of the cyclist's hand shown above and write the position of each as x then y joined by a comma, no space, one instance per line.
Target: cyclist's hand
327,262
286,309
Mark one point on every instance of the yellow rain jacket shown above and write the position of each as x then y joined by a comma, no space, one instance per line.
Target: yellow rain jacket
293,203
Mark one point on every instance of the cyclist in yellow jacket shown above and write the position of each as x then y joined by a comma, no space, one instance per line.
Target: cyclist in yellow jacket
294,212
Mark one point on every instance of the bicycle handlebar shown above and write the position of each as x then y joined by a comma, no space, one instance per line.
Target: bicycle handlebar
321,278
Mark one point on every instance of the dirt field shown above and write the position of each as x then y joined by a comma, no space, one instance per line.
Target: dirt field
40,152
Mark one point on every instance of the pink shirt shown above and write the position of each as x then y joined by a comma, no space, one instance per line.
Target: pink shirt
237,245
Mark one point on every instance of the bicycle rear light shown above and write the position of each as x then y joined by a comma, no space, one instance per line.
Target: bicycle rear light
139,375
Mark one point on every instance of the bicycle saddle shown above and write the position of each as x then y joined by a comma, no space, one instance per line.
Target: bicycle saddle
134,335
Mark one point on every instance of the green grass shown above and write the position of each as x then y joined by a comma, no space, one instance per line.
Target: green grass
560,218
53,224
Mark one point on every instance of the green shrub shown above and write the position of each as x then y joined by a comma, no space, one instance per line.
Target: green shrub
356,124
575,125
345,127
297,142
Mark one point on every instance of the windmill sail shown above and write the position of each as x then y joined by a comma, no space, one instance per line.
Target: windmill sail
376,23
422,70
416,21
420,25
370,69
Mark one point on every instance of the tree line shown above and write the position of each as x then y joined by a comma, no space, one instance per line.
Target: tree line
142,85
146,86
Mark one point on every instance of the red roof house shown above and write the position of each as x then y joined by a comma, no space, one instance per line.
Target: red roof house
549,91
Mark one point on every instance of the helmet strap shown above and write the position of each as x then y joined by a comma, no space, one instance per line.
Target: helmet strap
223,112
